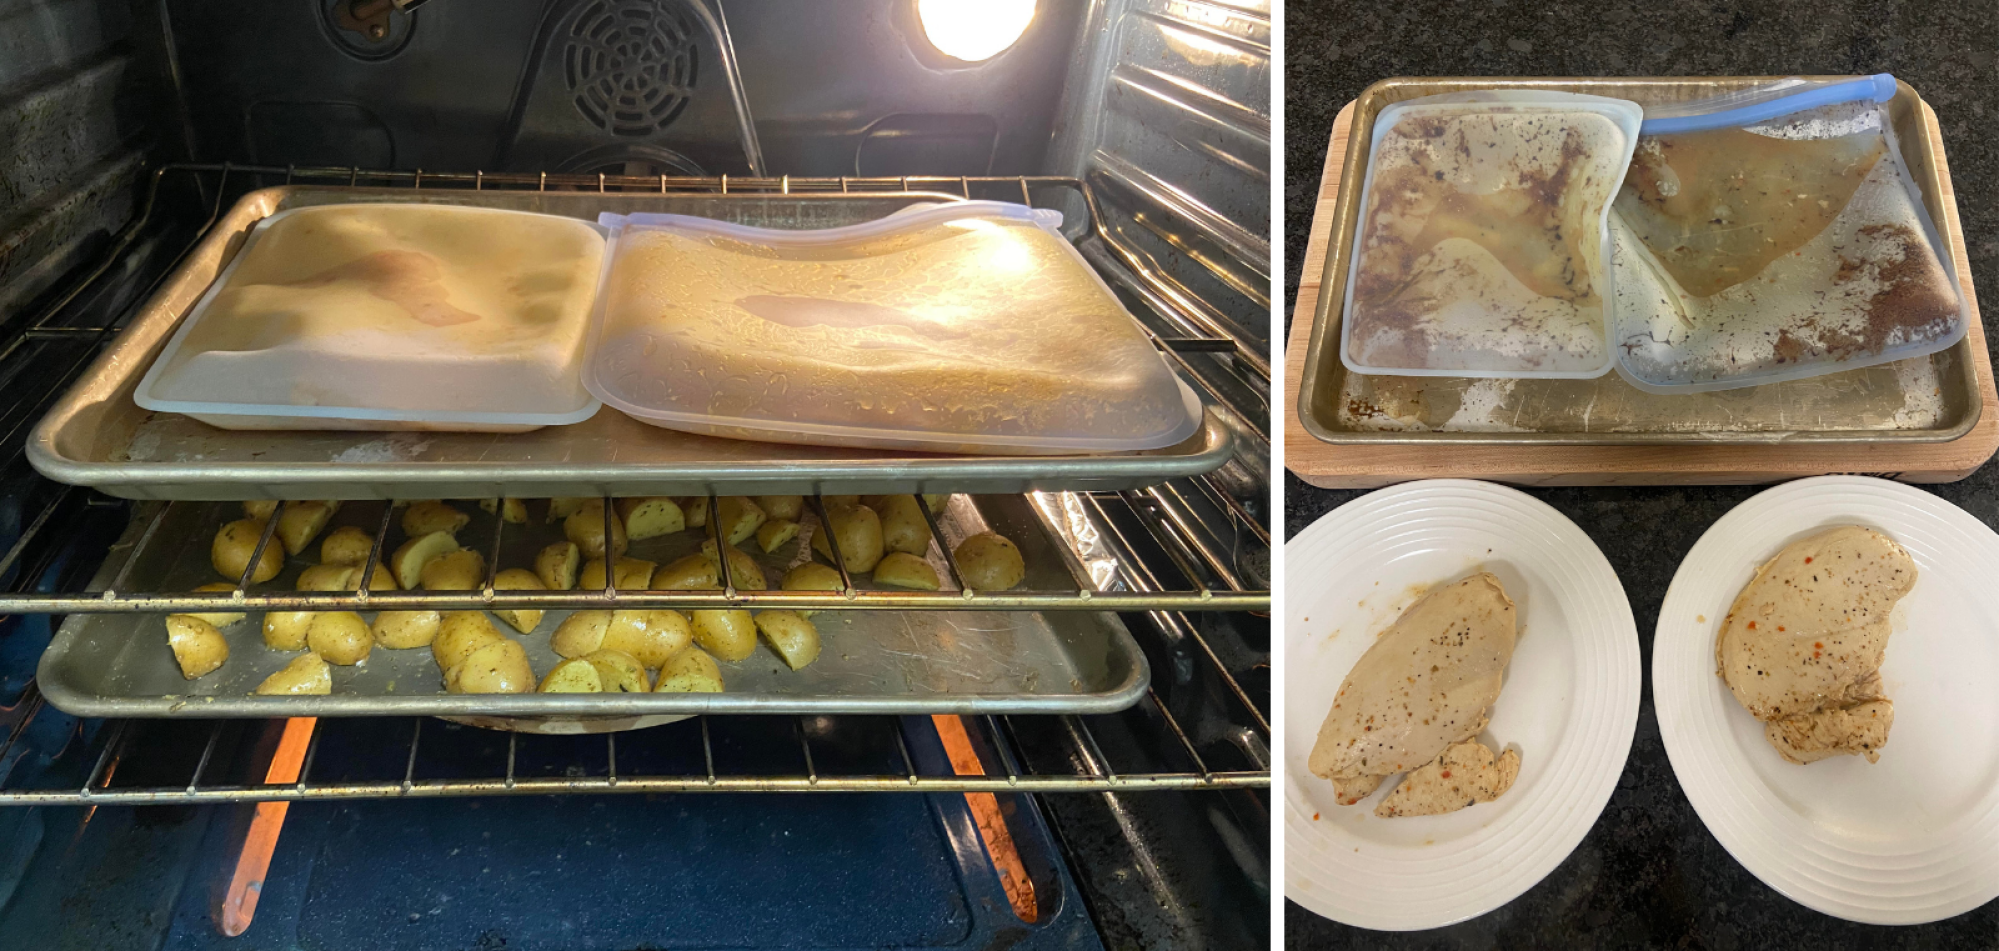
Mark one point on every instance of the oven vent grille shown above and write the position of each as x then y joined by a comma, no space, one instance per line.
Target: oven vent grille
631,64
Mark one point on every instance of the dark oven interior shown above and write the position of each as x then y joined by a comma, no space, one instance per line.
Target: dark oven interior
129,127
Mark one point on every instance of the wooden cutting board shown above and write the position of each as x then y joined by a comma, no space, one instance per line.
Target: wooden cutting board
1360,467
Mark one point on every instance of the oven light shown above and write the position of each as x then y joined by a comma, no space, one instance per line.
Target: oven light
974,30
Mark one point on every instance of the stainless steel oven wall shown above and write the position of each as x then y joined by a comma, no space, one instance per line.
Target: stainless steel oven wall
830,87
71,138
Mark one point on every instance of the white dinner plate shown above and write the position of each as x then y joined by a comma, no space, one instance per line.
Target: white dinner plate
1912,838
1570,701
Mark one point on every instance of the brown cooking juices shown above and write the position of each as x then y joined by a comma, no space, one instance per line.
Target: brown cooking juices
1481,248
1782,249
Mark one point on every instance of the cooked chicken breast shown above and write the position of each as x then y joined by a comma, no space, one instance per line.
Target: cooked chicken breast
1465,775
1425,684
1801,648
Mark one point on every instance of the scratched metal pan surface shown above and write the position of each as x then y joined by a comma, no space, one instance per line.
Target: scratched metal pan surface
98,437
1922,400
890,662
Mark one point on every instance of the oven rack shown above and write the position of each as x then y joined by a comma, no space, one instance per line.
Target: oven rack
1197,528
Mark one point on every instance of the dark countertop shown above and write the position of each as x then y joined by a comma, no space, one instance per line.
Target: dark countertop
1649,875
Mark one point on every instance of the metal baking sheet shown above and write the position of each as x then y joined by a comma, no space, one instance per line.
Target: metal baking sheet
1929,399
98,437
903,662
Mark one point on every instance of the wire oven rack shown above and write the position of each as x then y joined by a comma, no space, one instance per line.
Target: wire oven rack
1210,547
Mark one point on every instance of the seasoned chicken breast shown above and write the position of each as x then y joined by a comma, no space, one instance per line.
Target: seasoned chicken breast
1465,775
1424,685
1801,648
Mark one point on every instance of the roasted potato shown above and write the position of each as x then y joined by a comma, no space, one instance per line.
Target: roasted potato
690,671
694,509
304,675
340,637
775,533
692,573
651,517
459,633
744,572
461,570
236,542
990,562
259,509
905,570
937,503
904,528
617,671
842,501
346,546
329,578
523,620
301,522
652,636
402,630
737,518
198,647
219,618
286,630
499,667
859,531
729,635
634,574
559,509
556,565
580,633
790,507
408,562
514,511
572,676
811,576
430,515
793,637
585,527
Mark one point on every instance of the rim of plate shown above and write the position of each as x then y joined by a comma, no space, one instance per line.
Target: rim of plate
1398,889
1902,884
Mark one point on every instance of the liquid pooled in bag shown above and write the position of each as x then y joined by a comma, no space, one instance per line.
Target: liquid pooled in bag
1481,243
1749,253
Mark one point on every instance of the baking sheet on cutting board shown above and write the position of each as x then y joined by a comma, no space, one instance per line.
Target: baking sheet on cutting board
903,662
97,436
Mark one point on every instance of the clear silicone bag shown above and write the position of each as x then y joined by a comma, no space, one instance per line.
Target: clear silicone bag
1772,235
965,327
1481,248
390,317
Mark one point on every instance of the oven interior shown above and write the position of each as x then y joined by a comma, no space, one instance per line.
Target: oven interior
130,126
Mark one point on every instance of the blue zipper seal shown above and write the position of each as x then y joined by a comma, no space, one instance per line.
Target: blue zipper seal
1879,87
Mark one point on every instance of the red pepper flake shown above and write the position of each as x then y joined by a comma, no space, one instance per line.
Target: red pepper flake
1808,560
1752,625
1817,645
1447,774
1315,817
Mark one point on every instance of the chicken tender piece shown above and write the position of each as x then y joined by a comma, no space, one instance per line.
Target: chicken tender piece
1802,646
1466,775
1425,684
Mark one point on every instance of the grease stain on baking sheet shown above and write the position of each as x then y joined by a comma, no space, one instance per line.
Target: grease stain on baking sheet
400,447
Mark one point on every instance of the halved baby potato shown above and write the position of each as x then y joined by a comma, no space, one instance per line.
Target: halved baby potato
729,635
340,637
737,518
651,517
859,532
690,671
514,511
347,545
408,562
461,570
307,674
556,565
218,618
523,620
498,667
652,636
572,676
431,515
990,562
790,507
286,630
586,527
301,522
617,671
744,572
693,573
794,638
580,633
459,633
402,630
694,508
559,509
634,574
775,533
904,528
905,570
198,647
812,576
236,542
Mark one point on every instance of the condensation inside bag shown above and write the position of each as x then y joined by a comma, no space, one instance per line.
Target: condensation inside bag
946,329
1753,254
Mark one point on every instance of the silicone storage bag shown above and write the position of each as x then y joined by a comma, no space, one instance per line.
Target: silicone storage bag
1774,235
971,327
390,317
1481,248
